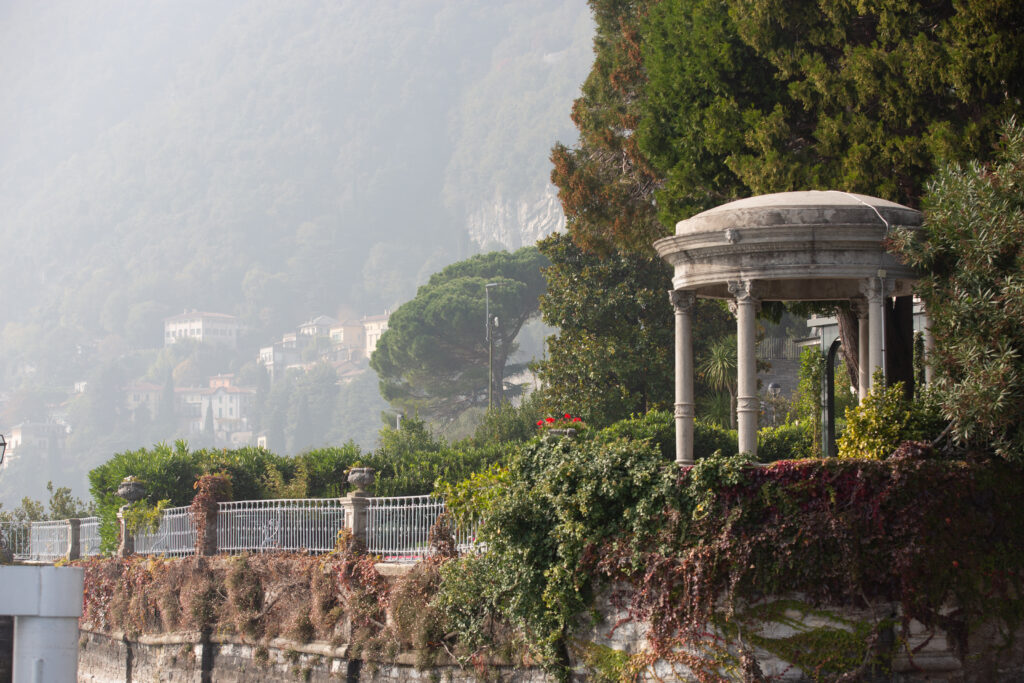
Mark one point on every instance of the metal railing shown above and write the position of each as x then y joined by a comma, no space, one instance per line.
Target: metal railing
89,537
777,348
175,536
48,541
283,524
398,528
14,538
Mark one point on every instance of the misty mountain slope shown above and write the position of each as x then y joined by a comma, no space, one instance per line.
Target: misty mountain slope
270,159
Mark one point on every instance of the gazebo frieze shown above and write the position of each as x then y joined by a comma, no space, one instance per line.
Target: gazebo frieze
796,283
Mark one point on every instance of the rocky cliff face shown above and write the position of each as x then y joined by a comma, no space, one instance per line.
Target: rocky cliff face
515,222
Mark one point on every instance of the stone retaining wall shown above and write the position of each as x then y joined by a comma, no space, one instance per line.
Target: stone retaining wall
188,658
985,654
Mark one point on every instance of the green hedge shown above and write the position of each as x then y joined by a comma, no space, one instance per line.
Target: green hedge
785,442
658,427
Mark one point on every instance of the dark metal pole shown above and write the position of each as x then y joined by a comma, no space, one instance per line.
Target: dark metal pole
828,402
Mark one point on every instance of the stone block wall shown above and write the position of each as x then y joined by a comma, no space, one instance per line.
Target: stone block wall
605,635
187,658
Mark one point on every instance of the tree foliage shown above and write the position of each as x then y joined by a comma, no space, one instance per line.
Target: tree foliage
755,96
971,251
693,103
613,354
718,368
433,358
604,182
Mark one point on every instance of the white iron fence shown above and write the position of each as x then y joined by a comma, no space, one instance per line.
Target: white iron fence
14,538
49,541
174,537
284,524
89,536
398,528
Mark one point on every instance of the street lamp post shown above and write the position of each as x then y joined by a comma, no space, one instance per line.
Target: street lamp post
490,344
3,448
774,389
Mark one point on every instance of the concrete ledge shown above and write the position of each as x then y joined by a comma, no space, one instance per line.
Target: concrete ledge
41,591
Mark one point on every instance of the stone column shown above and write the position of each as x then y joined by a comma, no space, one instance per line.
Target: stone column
357,501
74,539
206,527
355,515
126,546
872,290
683,303
747,402
929,349
860,309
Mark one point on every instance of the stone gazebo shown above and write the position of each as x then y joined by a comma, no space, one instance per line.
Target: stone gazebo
792,246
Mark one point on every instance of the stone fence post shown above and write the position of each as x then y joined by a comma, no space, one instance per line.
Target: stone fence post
357,501
126,542
130,489
212,488
206,528
74,539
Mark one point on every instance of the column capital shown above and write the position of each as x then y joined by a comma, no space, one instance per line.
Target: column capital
743,291
875,289
683,301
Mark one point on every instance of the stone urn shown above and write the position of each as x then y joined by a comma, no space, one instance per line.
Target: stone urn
361,478
131,489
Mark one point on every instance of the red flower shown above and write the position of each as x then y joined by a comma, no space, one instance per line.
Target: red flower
567,416
549,419
540,423
576,419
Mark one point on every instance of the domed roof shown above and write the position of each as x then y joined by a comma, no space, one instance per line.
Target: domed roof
813,245
807,208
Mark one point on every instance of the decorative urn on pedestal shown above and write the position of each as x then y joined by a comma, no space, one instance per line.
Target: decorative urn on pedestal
131,489
361,478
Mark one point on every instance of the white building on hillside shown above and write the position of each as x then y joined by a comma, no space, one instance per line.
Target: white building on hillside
212,328
373,327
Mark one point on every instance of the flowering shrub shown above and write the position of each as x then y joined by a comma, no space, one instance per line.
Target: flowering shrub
563,422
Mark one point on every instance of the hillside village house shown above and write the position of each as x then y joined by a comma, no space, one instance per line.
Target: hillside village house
339,343
213,328
348,335
35,439
374,327
231,407
142,395
319,326
277,357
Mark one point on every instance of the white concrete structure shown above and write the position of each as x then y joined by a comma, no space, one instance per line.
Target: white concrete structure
792,246
46,603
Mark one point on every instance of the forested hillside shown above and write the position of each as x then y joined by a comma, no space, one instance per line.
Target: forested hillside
269,159
273,160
